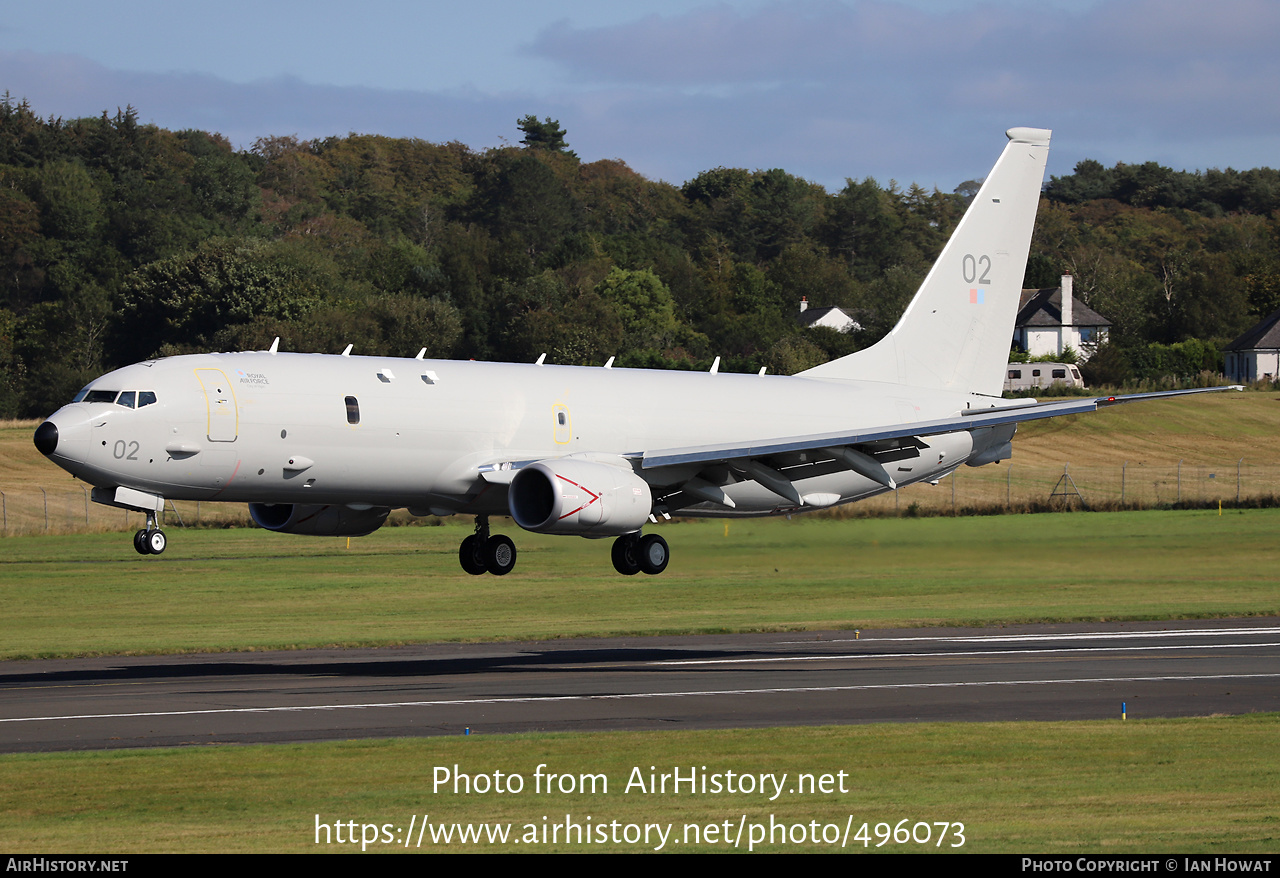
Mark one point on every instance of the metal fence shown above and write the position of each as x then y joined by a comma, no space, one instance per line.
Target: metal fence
1128,486
69,510
1010,486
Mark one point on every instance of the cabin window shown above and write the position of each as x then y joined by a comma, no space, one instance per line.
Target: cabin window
1059,373
353,410
1035,373
127,399
1015,373
146,397
560,418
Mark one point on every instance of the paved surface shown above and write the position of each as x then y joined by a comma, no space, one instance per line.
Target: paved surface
1017,673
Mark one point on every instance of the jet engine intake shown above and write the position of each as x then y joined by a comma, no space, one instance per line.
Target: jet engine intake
318,521
585,497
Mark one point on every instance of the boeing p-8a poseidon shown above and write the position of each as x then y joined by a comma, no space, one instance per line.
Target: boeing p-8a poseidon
328,444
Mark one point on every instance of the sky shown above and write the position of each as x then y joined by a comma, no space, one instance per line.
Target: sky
907,90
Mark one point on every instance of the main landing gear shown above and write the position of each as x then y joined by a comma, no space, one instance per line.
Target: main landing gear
151,539
482,553
633,553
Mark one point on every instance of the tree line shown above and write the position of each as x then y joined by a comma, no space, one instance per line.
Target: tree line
121,241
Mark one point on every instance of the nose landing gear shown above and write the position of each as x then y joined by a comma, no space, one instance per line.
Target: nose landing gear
151,539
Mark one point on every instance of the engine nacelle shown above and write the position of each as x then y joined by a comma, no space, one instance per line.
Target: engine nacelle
318,521
992,444
584,497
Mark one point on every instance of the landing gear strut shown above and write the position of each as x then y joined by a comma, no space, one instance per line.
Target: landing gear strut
482,553
151,539
633,553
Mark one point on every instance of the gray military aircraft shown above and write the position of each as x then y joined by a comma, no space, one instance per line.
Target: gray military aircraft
330,444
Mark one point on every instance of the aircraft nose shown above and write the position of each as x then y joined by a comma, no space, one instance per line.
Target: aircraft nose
47,438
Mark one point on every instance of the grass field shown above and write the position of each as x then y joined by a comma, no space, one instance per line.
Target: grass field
1167,786
249,589
1206,785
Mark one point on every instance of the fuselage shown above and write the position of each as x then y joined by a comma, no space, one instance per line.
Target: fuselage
264,427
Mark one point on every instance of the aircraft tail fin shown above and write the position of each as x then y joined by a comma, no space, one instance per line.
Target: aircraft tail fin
955,334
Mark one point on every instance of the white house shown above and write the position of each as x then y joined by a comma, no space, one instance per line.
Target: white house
833,318
1052,319
1256,354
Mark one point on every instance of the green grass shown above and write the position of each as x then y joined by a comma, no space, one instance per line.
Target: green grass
1207,785
249,589
1194,786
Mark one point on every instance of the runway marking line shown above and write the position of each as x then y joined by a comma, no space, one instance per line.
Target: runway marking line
888,655
625,696
1077,635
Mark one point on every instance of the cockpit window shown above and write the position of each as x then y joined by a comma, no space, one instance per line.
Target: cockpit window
100,395
128,398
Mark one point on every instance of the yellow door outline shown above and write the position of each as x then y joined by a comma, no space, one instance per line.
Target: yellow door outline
563,423
220,403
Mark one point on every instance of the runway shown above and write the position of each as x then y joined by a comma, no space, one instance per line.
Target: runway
1057,672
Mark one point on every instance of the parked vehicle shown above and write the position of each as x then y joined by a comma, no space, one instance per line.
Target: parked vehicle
1025,376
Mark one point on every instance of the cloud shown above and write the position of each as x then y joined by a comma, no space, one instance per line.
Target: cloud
821,88
1122,70
811,41
70,86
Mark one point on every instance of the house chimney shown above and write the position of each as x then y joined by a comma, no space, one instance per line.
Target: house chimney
804,304
1069,338
1066,300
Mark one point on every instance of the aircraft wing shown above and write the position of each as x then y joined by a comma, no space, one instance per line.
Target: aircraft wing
970,420
686,476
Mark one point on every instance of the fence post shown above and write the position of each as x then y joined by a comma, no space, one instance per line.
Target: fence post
1123,469
954,473
1238,462
86,505
1179,480
1008,488
46,510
